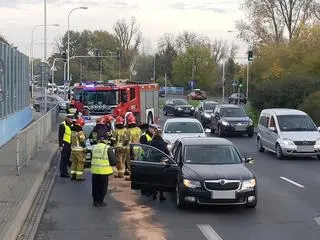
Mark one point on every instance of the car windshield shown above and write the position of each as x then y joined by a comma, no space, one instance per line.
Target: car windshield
294,123
211,154
209,106
179,102
232,112
88,129
100,97
183,127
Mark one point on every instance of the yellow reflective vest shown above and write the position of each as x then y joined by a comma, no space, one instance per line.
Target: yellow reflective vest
67,133
100,161
135,134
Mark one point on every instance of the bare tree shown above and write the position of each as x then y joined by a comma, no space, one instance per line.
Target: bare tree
167,39
129,38
190,39
272,21
219,50
233,51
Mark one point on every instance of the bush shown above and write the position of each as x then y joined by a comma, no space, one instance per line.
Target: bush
311,105
253,114
285,93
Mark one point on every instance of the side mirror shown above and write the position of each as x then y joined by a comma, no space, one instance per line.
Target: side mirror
319,129
249,160
273,129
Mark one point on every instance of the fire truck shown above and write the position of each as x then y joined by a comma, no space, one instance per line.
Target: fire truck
117,97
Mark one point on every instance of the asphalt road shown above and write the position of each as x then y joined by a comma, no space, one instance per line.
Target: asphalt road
288,208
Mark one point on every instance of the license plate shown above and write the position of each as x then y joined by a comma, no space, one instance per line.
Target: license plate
223,195
240,128
305,149
187,110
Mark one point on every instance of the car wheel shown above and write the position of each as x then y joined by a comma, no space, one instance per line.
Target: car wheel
220,133
252,204
180,203
318,156
279,152
259,145
165,112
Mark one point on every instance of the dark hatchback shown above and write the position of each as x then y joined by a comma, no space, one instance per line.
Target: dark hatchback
231,119
178,107
205,171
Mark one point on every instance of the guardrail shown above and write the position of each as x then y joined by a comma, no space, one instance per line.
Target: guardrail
30,138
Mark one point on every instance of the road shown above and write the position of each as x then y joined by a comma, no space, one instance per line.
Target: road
288,208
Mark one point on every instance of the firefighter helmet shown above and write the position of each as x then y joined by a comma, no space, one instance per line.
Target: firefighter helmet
80,122
132,120
119,120
108,118
128,115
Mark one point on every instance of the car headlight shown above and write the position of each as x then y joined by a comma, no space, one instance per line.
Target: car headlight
317,144
224,123
288,142
249,183
192,108
250,122
179,108
191,184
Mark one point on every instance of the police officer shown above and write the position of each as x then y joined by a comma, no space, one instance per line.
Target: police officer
135,134
78,138
159,143
65,145
146,137
120,140
103,159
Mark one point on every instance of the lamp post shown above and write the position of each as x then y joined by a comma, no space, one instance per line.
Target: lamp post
68,52
32,59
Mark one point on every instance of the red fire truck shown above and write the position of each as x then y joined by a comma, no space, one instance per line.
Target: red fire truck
118,97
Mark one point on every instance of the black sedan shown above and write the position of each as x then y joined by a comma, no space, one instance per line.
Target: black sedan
204,112
206,171
231,119
178,107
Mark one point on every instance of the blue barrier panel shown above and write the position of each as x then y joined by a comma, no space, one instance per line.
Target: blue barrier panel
173,90
11,125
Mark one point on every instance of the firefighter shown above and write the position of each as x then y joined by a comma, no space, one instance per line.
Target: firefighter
78,138
108,119
126,118
65,145
135,134
120,139
103,159
98,130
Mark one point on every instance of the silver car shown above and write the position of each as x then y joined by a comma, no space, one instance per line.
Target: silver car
288,132
176,128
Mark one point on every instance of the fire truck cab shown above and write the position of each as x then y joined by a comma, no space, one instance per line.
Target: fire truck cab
117,97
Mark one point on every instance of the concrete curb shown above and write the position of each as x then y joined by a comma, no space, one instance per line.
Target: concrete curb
22,213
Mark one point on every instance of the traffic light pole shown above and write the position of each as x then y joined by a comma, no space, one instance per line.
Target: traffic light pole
247,93
223,81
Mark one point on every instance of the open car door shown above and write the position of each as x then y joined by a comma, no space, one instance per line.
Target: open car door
152,169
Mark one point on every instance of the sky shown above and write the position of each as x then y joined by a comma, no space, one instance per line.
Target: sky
215,19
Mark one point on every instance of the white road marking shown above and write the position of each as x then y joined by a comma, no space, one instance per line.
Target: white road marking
292,182
317,220
208,232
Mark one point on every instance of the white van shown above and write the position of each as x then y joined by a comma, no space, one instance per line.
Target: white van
288,132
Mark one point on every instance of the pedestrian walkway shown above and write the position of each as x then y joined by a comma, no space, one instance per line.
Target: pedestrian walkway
17,192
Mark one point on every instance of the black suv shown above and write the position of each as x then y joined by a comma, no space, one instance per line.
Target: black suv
230,119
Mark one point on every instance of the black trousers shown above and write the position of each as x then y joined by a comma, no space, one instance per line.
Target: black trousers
65,158
99,187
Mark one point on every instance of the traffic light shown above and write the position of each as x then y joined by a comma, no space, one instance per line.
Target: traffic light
250,56
240,83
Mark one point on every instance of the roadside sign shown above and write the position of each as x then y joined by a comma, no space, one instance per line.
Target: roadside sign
234,83
192,84
43,69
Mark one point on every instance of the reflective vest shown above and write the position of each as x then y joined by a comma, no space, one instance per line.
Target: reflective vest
100,161
149,138
76,139
72,110
135,134
67,133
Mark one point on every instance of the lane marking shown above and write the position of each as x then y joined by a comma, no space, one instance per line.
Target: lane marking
292,182
317,220
208,232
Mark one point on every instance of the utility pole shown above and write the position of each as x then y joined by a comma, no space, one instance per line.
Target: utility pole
223,80
154,69
45,52
247,93
165,86
192,78
119,58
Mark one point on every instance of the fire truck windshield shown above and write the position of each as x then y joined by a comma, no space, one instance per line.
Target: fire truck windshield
100,97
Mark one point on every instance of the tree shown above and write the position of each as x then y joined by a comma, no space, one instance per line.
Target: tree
272,21
206,71
188,40
219,50
128,37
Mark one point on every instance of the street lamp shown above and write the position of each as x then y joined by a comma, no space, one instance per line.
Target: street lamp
68,52
32,60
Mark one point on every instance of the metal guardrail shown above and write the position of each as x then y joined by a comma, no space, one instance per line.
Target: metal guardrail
30,138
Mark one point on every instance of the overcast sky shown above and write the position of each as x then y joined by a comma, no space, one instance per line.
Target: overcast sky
213,18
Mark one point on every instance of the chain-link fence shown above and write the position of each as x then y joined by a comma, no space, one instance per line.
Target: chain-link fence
14,80
30,138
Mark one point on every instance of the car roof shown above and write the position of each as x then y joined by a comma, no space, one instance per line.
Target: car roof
177,99
182,120
210,102
205,141
284,111
229,106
